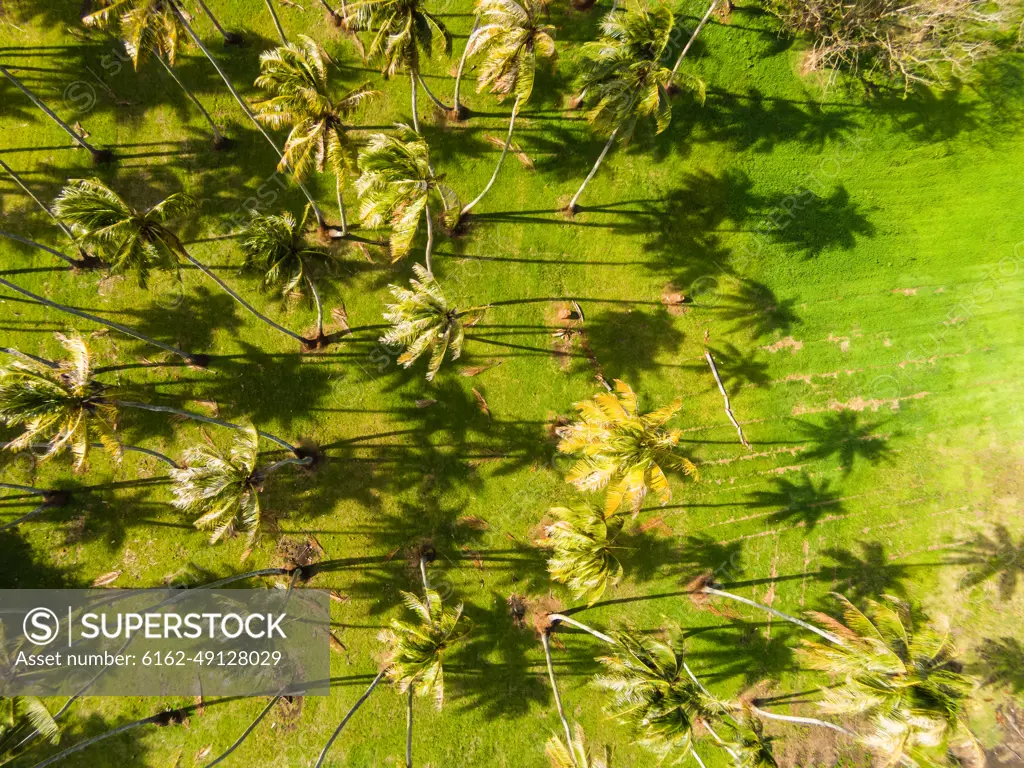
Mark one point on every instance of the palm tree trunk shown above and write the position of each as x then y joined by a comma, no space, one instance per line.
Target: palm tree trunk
430,238
25,188
457,107
423,574
319,309
341,206
686,48
508,142
245,107
408,731
190,359
440,104
331,12
230,38
199,417
227,289
97,154
544,640
40,246
832,638
217,137
415,117
593,171
25,488
101,737
245,733
36,358
348,716
131,448
696,757
590,630
305,461
801,720
277,21
725,397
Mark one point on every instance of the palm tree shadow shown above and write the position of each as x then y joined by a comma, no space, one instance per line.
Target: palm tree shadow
735,368
841,435
748,655
802,500
1000,662
755,308
629,341
869,575
992,556
24,570
811,224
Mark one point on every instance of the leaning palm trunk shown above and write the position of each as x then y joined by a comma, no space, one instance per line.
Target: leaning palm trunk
456,106
801,720
197,360
228,290
554,687
341,206
98,155
245,107
34,513
589,630
85,259
408,730
218,139
593,172
319,309
245,734
430,238
415,117
230,38
831,637
277,21
109,734
131,448
440,104
40,246
200,417
508,142
348,716
686,48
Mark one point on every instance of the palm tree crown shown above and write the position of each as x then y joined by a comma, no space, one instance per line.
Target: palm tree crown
584,553
296,78
575,754
59,405
148,26
623,77
511,40
401,30
21,715
127,238
421,319
222,487
895,668
653,694
417,650
623,449
276,248
395,185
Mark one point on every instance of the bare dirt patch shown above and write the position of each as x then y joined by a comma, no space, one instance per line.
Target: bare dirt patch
905,291
860,404
787,343
674,300
842,341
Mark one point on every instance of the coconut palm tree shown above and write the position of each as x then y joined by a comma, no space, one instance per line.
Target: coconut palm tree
416,659
151,28
623,78
511,41
583,542
275,247
689,43
140,240
198,360
575,754
223,488
57,404
896,669
653,692
421,319
21,713
99,156
750,747
84,261
402,31
395,188
623,449
183,19
296,78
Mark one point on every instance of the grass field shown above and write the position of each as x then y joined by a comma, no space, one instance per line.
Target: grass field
854,264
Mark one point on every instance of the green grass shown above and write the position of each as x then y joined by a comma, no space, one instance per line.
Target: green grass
885,424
